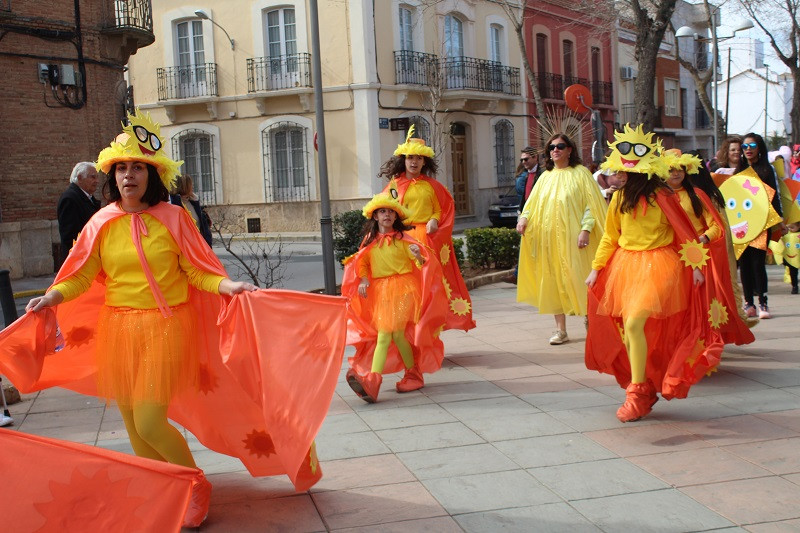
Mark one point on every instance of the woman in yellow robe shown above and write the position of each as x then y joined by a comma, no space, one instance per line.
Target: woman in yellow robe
561,226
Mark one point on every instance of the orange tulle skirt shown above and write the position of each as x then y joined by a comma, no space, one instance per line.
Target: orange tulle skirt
394,302
644,283
419,232
143,357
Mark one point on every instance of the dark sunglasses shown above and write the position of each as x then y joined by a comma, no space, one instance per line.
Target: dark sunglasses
523,159
639,149
752,146
560,146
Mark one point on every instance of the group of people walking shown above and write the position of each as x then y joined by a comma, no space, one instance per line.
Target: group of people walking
646,257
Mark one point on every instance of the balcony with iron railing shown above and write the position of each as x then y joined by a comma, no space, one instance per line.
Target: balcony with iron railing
550,85
602,92
129,27
191,81
462,73
276,73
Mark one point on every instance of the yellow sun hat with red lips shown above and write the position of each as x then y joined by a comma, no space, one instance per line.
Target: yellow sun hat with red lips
141,141
674,158
384,200
414,146
633,150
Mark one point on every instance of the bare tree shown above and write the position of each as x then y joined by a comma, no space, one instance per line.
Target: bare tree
702,78
778,19
262,262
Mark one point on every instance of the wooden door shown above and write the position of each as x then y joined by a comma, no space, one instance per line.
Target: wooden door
460,175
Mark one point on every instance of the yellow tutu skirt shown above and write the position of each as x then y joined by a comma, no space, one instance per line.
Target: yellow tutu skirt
644,283
394,302
143,357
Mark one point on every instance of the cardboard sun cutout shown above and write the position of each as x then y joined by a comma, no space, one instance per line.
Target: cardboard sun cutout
636,151
749,209
790,199
787,250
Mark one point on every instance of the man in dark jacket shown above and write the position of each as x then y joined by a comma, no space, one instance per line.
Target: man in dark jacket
527,173
77,205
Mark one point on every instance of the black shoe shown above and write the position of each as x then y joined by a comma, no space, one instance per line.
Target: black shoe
794,290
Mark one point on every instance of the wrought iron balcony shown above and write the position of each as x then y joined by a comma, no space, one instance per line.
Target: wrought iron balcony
281,72
602,92
191,81
550,85
134,14
469,73
127,26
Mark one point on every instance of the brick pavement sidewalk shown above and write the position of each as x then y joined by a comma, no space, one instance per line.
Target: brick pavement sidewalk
515,434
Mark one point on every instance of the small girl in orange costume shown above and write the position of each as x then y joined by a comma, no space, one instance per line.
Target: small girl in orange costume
384,282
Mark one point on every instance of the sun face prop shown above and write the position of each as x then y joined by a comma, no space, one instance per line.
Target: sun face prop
787,250
694,255
717,314
790,199
636,151
750,213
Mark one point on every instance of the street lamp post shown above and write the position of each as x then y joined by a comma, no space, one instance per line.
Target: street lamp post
766,99
686,31
203,15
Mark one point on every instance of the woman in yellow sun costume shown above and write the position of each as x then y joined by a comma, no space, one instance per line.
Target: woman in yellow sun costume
561,225
647,323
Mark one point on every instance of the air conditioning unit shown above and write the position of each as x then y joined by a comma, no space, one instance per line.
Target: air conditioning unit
627,73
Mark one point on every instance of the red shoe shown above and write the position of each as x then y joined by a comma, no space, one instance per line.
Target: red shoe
412,380
198,505
366,387
639,401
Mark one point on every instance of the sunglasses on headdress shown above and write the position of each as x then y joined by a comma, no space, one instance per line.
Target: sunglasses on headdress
638,148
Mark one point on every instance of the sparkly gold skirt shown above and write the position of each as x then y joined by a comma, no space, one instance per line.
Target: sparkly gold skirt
394,302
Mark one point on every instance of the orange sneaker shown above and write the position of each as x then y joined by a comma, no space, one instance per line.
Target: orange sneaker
411,381
639,401
365,387
198,505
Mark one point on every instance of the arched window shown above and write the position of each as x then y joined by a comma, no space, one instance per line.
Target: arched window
196,148
286,162
422,128
453,37
406,29
504,152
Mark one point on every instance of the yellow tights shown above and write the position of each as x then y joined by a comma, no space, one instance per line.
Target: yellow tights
152,435
385,338
636,342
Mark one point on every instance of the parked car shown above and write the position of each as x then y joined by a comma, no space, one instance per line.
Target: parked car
503,212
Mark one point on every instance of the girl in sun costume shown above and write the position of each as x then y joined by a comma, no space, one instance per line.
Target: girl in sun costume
650,323
561,225
385,282
139,308
431,212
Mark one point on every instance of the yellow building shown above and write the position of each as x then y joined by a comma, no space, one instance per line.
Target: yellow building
231,84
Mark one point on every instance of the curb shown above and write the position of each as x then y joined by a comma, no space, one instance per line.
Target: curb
29,293
486,279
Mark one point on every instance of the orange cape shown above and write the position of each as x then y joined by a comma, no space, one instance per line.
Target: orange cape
459,314
684,347
423,336
269,360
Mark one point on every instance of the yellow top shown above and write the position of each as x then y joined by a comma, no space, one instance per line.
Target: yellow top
385,260
126,284
707,225
421,202
640,229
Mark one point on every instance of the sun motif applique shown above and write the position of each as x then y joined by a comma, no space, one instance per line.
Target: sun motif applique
78,336
438,332
447,289
717,314
698,348
444,254
91,499
460,306
207,381
694,254
621,330
313,462
259,443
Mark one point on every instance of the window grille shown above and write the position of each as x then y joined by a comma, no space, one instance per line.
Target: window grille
196,149
504,152
286,163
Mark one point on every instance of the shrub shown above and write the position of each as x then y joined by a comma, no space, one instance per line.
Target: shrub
458,249
347,228
492,247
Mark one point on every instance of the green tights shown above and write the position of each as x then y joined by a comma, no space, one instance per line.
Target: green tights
152,435
385,338
636,342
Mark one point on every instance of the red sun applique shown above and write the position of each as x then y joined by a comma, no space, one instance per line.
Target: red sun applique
207,381
259,443
86,503
78,336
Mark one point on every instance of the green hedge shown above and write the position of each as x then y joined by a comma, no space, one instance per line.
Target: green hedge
458,248
347,228
492,247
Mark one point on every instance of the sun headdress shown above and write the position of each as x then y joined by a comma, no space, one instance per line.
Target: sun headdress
384,199
141,141
636,151
674,158
414,146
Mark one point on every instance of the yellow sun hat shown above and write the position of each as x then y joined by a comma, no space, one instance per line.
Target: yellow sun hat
633,150
384,199
415,146
141,141
674,158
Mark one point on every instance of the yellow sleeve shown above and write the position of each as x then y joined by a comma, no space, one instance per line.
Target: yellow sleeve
78,283
526,209
437,209
610,241
588,221
363,265
714,231
200,279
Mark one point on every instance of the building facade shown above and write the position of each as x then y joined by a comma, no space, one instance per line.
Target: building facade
61,102
233,91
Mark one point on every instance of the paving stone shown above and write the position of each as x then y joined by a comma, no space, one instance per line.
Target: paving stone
596,479
289,514
462,460
553,450
750,501
692,467
428,437
548,518
330,447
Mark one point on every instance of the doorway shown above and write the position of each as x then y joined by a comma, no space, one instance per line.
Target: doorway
458,139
